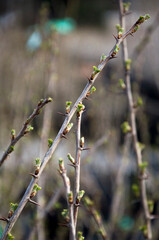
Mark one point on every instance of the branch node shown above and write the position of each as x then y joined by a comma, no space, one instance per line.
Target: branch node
33,175
33,202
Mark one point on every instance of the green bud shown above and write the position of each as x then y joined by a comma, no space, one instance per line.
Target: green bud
11,149
72,160
121,83
70,197
29,128
61,164
50,142
147,16
119,30
80,108
143,166
144,230
80,196
65,214
10,236
82,142
141,146
96,70
68,128
103,57
49,99
126,6
135,28
68,106
37,161
79,236
139,102
93,89
128,64
36,187
87,201
13,132
151,206
136,190
116,49
125,127
13,206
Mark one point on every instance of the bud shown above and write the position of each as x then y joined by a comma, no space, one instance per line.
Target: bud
72,160
68,106
68,128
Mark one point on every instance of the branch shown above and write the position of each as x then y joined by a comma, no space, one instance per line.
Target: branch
134,128
49,153
97,217
79,147
25,129
69,196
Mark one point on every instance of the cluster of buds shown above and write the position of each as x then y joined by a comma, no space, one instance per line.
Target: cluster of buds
79,196
119,30
10,236
92,90
68,106
71,159
12,134
79,236
116,49
140,21
95,70
50,142
136,190
80,109
68,128
37,165
13,207
125,127
36,188
28,129
42,101
141,146
65,215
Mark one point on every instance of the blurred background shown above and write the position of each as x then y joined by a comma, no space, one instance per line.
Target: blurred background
47,49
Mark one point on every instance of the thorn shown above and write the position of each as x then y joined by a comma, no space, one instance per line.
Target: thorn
62,114
83,149
115,37
4,219
131,34
33,202
64,224
63,136
89,79
72,165
33,175
154,217
111,57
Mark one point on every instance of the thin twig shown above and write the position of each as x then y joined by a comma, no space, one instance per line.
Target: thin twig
69,197
24,129
77,164
134,130
60,134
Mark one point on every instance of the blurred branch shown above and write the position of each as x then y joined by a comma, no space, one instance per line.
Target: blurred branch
26,129
132,109
96,215
65,128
